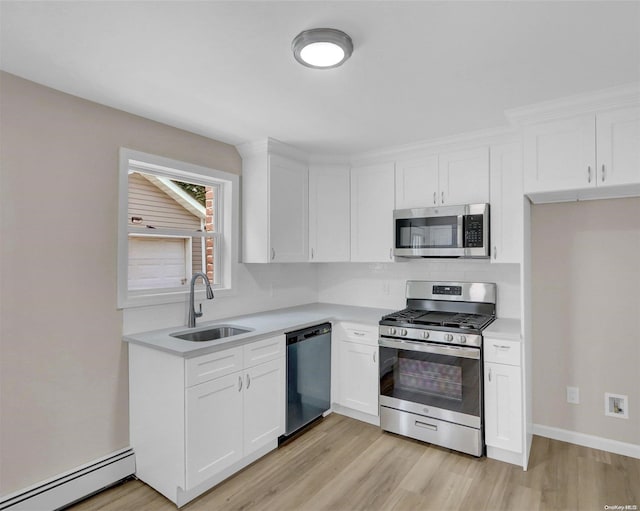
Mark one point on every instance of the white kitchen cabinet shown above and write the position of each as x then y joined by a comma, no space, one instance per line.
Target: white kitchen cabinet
263,404
464,176
194,422
417,184
358,373
372,204
458,177
506,203
274,205
585,151
329,212
503,398
213,437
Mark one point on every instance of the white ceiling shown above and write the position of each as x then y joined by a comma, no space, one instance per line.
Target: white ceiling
419,70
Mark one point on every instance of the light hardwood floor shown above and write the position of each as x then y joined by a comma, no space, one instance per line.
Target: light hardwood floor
343,464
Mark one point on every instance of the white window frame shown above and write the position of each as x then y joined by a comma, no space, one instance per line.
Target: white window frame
227,224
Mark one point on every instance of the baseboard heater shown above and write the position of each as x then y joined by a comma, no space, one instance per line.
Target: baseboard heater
67,488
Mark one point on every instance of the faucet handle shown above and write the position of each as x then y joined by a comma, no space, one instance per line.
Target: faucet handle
199,313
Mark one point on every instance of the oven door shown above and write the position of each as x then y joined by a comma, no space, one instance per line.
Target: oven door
433,380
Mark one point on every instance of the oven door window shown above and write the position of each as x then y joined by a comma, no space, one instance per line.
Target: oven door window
441,381
436,232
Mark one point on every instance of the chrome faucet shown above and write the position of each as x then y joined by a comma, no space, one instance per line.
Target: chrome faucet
192,308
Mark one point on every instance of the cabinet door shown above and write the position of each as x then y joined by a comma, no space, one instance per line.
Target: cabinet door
288,210
329,226
560,155
417,183
359,377
503,406
372,199
263,404
506,203
618,143
464,177
213,427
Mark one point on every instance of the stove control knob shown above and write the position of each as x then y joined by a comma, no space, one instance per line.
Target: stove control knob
403,332
425,335
448,337
392,331
463,339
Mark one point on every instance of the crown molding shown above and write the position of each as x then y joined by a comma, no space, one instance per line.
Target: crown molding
613,97
438,145
271,146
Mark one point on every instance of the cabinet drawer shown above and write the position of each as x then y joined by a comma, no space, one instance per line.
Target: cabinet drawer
502,352
213,365
358,332
264,350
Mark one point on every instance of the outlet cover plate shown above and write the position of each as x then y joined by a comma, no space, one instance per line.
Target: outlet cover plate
573,395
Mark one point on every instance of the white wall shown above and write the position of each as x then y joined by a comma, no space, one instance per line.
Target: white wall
586,314
259,287
383,284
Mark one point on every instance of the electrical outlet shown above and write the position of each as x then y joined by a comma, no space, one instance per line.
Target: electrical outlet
573,395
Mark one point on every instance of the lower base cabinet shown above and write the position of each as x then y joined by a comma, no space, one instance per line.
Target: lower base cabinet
503,412
358,367
194,422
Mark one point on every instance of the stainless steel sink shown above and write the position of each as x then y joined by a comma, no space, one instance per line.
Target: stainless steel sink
211,334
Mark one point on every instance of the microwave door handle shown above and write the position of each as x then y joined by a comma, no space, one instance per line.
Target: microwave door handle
460,231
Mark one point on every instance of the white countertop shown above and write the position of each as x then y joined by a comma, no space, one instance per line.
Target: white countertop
507,329
262,324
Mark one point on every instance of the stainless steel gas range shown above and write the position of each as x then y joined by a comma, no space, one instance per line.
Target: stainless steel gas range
431,364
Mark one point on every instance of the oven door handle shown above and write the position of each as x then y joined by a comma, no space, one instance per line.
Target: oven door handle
450,351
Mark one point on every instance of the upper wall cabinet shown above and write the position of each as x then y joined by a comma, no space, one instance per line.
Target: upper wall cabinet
372,200
274,204
506,203
417,184
460,177
582,152
329,212
464,176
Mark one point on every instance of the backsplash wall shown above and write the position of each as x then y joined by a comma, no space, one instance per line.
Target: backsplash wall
383,284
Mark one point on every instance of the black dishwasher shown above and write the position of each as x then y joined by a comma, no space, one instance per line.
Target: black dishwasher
308,376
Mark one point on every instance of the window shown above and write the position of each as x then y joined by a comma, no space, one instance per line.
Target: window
175,219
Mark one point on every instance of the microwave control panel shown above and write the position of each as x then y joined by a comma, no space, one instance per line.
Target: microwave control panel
473,231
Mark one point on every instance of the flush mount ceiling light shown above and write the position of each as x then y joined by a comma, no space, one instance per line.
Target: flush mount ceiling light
322,48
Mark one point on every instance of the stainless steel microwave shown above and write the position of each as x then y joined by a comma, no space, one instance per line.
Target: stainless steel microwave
447,231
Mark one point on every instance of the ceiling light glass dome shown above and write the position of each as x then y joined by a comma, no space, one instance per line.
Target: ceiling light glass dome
322,48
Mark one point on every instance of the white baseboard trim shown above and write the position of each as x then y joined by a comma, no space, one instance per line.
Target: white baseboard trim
356,414
595,442
73,485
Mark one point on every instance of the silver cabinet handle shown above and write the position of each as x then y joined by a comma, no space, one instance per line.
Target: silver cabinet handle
248,381
421,424
442,196
489,374
374,357
603,172
391,253
589,174
502,346
273,254
239,383
495,252
434,197
359,334
311,253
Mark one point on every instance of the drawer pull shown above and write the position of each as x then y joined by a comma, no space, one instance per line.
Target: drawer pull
360,334
421,424
502,347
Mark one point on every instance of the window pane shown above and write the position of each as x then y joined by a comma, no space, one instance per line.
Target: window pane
159,202
157,262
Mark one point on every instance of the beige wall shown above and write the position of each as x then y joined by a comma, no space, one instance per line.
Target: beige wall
63,379
586,314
